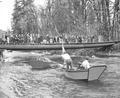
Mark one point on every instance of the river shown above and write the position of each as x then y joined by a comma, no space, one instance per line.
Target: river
19,80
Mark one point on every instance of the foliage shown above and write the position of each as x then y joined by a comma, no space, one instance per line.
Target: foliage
25,17
71,17
76,17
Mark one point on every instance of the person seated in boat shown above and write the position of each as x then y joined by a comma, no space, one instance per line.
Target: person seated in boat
84,65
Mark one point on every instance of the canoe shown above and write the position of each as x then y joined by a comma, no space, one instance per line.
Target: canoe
58,46
93,73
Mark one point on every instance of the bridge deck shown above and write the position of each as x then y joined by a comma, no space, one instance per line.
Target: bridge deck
57,46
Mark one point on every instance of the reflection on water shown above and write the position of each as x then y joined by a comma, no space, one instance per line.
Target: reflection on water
18,80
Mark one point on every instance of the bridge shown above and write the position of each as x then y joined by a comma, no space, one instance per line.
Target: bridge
58,46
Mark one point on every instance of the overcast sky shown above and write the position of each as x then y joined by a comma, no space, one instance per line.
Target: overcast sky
6,10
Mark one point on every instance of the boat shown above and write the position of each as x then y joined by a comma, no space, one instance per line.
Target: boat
57,46
93,73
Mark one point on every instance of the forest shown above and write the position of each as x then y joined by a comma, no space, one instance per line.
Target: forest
86,18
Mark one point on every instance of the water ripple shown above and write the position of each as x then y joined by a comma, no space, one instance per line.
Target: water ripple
18,80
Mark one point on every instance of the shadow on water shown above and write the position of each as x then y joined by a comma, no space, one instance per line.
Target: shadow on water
40,69
92,84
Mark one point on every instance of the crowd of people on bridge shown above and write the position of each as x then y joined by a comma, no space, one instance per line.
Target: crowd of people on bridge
22,39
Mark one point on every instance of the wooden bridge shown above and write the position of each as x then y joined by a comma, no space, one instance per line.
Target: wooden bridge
58,46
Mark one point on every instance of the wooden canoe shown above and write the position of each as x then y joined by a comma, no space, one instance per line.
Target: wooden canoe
58,46
93,73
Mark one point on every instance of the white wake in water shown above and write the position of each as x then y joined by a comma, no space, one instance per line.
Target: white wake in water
12,56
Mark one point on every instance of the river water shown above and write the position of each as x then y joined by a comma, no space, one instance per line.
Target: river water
19,80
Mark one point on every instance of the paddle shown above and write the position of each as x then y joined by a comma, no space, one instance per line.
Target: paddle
63,49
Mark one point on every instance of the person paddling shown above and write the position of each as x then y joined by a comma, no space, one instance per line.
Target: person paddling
66,57
85,64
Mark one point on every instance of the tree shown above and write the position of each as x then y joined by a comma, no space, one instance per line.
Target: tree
25,19
80,17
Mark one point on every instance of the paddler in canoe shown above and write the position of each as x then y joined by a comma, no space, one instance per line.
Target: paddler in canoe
67,59
69,63
84,65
